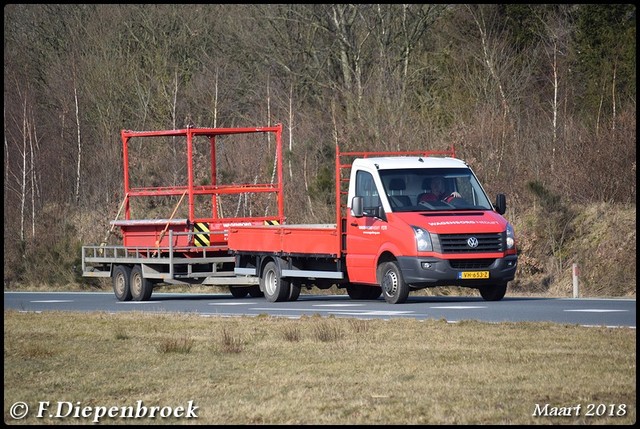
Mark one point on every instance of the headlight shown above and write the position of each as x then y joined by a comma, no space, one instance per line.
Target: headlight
511,237
423,240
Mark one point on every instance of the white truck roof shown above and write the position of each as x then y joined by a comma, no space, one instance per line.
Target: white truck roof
397,162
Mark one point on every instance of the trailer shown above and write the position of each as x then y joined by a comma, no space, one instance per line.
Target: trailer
189,244
392,235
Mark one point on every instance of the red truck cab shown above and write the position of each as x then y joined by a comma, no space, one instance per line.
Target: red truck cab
403,237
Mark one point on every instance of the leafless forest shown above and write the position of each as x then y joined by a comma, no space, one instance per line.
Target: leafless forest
539,99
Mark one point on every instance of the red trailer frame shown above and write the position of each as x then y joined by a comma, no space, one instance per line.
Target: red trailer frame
195,233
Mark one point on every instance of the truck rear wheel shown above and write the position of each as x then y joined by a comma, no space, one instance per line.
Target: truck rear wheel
239,292
493,292
255,292
295,289
121,282
275,288
141,288
394,289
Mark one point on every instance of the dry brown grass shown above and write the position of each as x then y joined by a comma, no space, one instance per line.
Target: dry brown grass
316,370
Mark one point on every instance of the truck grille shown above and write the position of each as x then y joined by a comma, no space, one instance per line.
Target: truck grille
459,243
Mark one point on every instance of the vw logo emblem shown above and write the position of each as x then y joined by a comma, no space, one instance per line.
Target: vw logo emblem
472,242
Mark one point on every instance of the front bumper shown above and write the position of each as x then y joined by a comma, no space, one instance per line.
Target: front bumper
421,272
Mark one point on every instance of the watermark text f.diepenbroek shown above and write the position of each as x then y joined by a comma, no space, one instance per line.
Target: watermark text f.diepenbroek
76,410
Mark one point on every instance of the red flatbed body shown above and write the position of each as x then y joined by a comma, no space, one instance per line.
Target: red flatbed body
312,240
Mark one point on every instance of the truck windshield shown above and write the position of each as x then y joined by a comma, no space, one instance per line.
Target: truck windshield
423,189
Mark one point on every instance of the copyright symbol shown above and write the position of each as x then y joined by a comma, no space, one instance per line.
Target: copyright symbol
19,410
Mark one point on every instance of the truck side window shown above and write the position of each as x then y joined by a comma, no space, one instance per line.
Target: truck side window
366,188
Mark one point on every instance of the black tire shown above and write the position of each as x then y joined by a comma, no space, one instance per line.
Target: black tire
122,282
275,288
493,292
239,292
294,292
141,288
255,292
394,289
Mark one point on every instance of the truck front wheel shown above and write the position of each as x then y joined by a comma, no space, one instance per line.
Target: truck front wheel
275,288
394,289
493,292
121,282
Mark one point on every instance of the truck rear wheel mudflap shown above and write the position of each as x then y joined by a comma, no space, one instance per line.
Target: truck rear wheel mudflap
422,272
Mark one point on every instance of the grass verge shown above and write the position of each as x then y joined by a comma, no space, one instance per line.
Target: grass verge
315,370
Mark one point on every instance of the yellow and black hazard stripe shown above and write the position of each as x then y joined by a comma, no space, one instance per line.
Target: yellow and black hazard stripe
201,236
271,222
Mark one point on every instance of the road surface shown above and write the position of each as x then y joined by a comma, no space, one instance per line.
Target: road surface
574,311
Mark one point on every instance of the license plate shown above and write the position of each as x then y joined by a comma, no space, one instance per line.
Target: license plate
473,275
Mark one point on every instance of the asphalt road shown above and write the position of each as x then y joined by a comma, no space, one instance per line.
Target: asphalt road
574,311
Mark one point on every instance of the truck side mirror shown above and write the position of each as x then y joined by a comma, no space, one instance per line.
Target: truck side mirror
357,206
501,204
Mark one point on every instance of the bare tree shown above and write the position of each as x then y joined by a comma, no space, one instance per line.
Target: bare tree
79,142
490,51
555,41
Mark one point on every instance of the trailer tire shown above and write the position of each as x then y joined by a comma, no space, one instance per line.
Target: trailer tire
394,288
122,282
141,288
275,288
493,292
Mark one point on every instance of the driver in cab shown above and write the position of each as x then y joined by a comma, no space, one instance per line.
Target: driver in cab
437,192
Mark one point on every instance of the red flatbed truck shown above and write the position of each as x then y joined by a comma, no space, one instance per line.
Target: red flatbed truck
385,240
189,246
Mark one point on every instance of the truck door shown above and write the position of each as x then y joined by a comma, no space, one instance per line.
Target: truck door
364,233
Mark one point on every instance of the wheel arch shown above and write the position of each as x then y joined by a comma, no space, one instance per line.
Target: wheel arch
385,256
261,263
263,260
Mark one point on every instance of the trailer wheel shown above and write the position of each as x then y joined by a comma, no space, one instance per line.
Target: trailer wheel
141,288
394,289
239,292
121,282
493,292
255,292
275,288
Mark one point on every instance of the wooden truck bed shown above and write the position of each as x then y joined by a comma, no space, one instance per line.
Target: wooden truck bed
310,240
